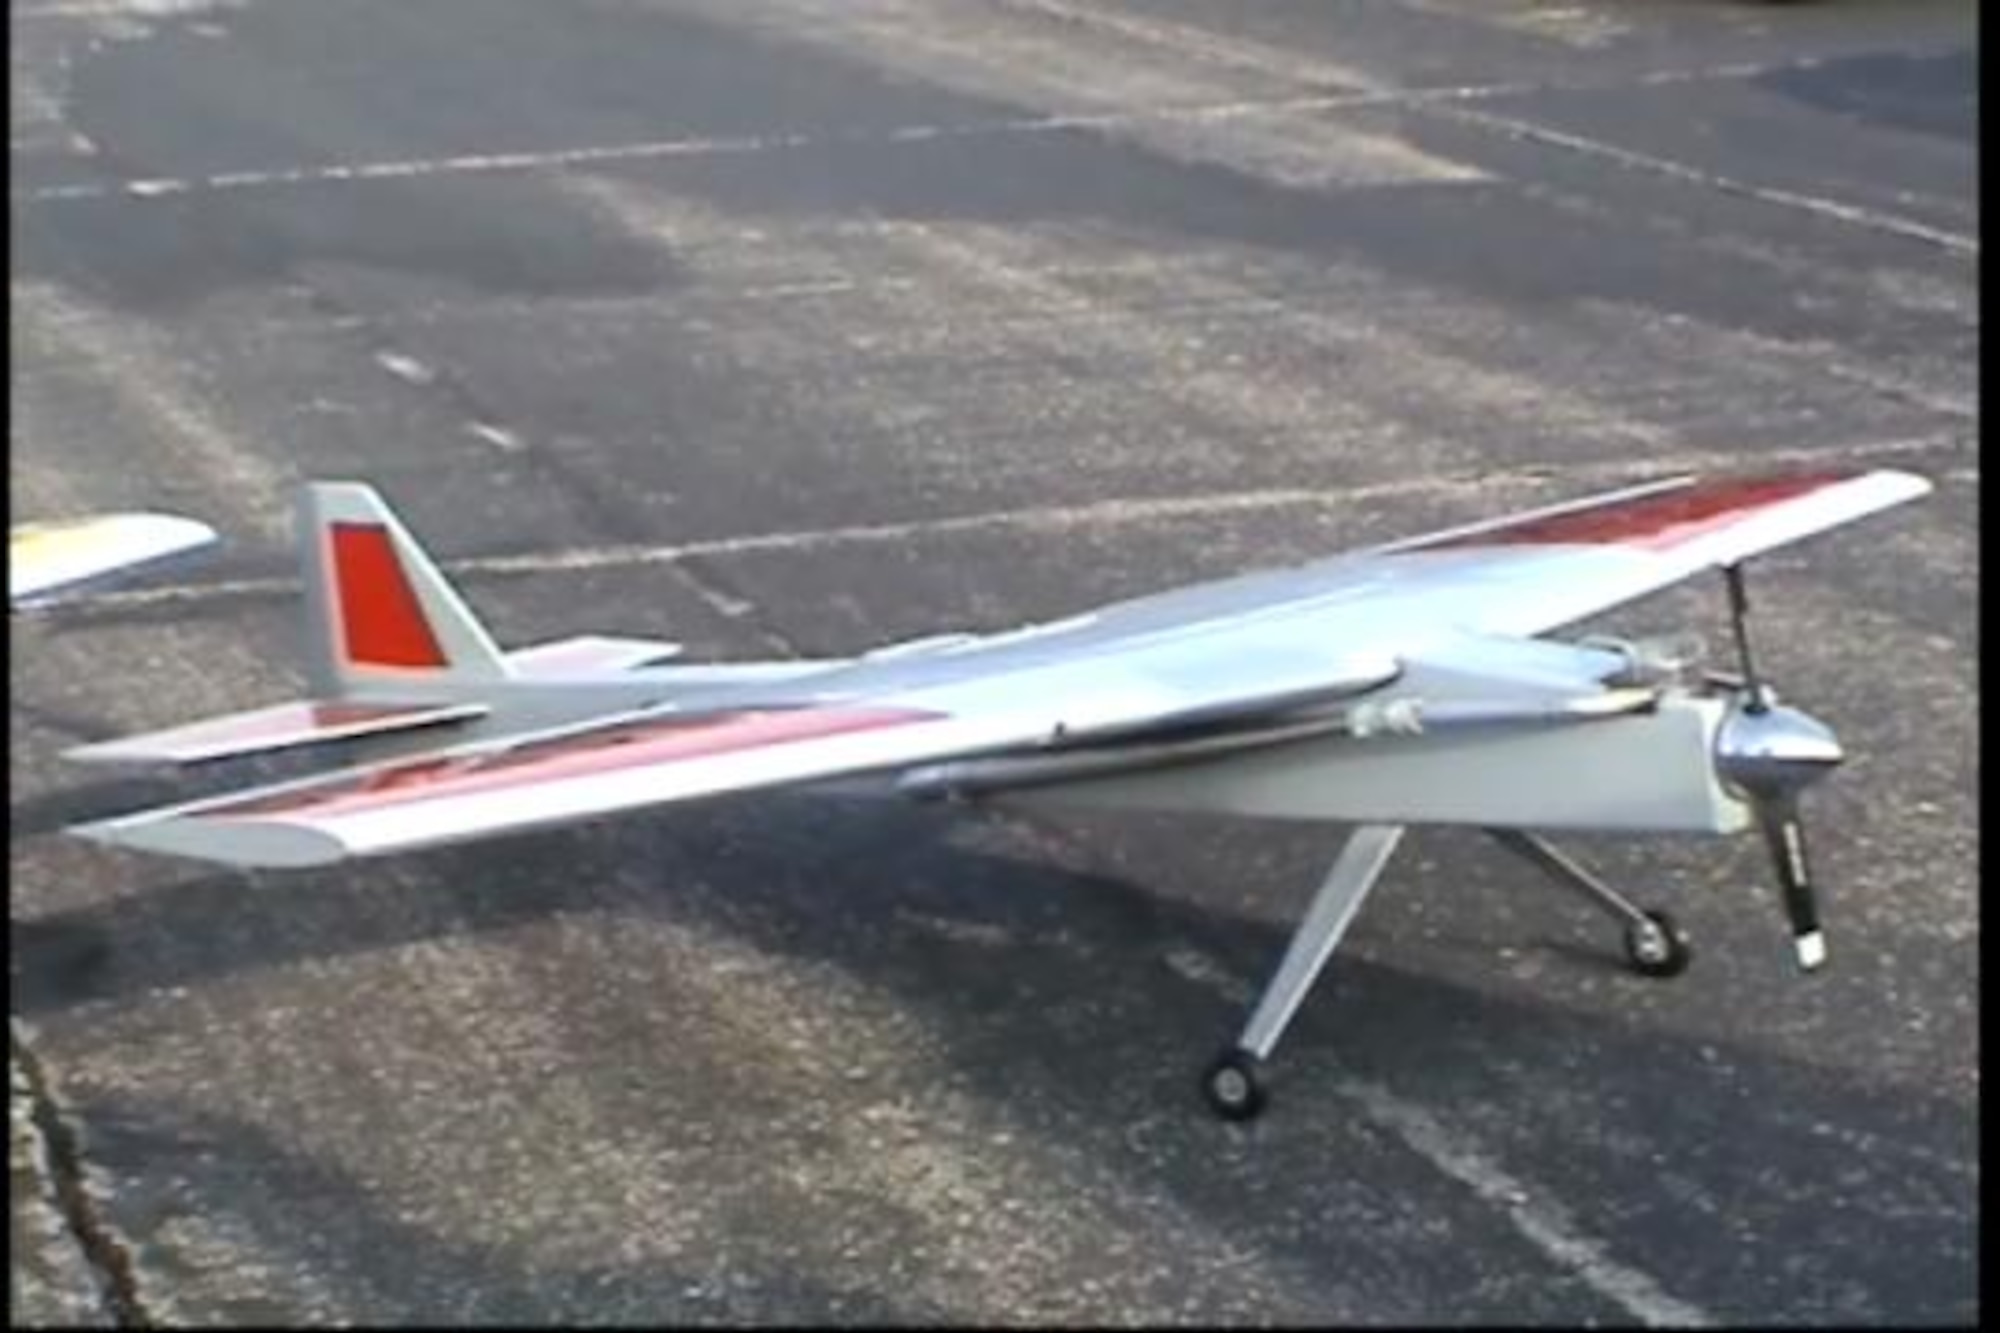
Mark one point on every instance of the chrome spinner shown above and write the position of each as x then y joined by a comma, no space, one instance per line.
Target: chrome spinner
1764,751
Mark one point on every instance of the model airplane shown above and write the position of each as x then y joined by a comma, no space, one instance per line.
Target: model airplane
1399,685
48,562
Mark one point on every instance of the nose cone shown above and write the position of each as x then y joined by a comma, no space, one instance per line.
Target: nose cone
1774,752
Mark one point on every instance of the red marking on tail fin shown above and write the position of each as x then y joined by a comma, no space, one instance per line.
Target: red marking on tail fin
381,621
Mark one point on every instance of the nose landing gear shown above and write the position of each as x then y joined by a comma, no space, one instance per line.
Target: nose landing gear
1658,948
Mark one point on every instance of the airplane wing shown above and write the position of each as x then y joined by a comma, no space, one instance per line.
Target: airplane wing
1236,653
1542,570
49,560
635,760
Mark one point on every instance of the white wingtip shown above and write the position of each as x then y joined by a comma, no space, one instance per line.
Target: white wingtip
240,842
1812,950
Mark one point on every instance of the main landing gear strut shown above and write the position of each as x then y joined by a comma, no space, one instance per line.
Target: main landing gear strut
1654,946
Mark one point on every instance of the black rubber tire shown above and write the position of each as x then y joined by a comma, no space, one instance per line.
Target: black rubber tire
1232,1087
1650,962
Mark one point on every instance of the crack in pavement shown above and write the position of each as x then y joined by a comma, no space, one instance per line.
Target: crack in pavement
104,1251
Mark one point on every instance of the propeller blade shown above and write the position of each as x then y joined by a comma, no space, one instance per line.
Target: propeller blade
1786,837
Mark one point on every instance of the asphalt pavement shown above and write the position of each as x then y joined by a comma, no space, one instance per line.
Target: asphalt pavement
799,326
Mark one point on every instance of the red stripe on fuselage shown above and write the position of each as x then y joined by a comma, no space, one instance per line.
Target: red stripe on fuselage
381,621
1653,522
637,745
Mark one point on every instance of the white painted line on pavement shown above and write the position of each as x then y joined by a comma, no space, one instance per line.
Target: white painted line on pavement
1057,518
1540,1219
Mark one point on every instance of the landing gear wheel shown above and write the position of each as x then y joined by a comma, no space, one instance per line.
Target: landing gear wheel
1232,1087
1659,948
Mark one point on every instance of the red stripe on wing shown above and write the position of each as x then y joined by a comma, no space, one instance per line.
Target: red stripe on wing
586,754
382,623
1653,522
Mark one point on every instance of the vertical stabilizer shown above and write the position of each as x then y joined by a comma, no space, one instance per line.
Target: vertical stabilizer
377,610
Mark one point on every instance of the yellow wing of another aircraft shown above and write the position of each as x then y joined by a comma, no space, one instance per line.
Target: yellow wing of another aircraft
48,561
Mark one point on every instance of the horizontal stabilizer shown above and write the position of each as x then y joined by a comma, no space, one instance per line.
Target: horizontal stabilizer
279,727
590,655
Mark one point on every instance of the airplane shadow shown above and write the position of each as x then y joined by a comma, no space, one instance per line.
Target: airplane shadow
1056,1010
38,816
295,1220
